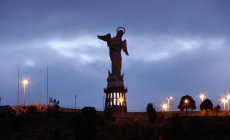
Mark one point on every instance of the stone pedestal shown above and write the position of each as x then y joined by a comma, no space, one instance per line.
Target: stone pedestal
115,101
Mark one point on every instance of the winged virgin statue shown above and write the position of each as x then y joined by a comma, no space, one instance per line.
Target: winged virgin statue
115,45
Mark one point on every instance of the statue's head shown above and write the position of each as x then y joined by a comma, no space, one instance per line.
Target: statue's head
120,32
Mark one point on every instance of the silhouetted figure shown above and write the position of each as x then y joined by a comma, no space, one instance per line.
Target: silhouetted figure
115,45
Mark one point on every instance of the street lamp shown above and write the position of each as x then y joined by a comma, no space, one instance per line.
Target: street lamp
169,98
25,82
224,101
186,102
164,106
202,97
228,97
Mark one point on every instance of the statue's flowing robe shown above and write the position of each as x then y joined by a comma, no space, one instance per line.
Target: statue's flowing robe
115,46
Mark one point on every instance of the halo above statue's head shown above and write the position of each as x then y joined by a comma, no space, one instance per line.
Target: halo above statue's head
122,29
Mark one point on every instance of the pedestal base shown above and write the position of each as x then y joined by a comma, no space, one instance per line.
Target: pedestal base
115,101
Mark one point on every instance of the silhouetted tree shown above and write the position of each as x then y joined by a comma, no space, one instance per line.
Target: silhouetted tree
88,112
152,114
206,105
190,105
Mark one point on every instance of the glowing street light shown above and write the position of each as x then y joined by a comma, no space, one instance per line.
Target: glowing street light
25,82
202,97
164,106
186,102
228,97
224,101
169,98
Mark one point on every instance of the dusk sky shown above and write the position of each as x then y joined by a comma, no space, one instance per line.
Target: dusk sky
176,48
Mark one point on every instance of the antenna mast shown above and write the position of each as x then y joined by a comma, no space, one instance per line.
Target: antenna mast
47,85
18,86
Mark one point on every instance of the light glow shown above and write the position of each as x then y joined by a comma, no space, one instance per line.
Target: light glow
186,101
164,106
169,98
120,100
223,101
202,97
228,97
25,82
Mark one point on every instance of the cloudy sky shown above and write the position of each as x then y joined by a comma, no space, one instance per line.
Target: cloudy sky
176,48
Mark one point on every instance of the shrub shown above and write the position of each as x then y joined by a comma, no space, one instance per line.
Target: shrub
152,114
32,109
88,112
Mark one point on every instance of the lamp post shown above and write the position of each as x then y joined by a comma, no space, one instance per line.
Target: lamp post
169,98
224,101
25,82
202,97
164,106
228,97
75,103
186,102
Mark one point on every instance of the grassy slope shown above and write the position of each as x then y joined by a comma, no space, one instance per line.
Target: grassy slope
42,126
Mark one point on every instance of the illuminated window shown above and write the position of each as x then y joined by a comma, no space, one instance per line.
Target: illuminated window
114,94
117,102
111,103
118,95
114,101
111,95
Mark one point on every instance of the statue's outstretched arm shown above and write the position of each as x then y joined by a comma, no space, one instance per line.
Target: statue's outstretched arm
124,47
106,37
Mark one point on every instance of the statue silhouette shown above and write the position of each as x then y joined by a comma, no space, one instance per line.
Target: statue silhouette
115,45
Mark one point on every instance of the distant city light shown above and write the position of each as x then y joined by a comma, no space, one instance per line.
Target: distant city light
169,98
228,97
186,101
202,97
25,82
164,106
224,101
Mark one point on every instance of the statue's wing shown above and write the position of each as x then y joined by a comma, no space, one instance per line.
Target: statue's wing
124,47
106,37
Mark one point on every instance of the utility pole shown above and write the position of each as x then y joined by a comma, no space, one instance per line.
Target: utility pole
0,101
18,86
103,104
47,87
75,102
